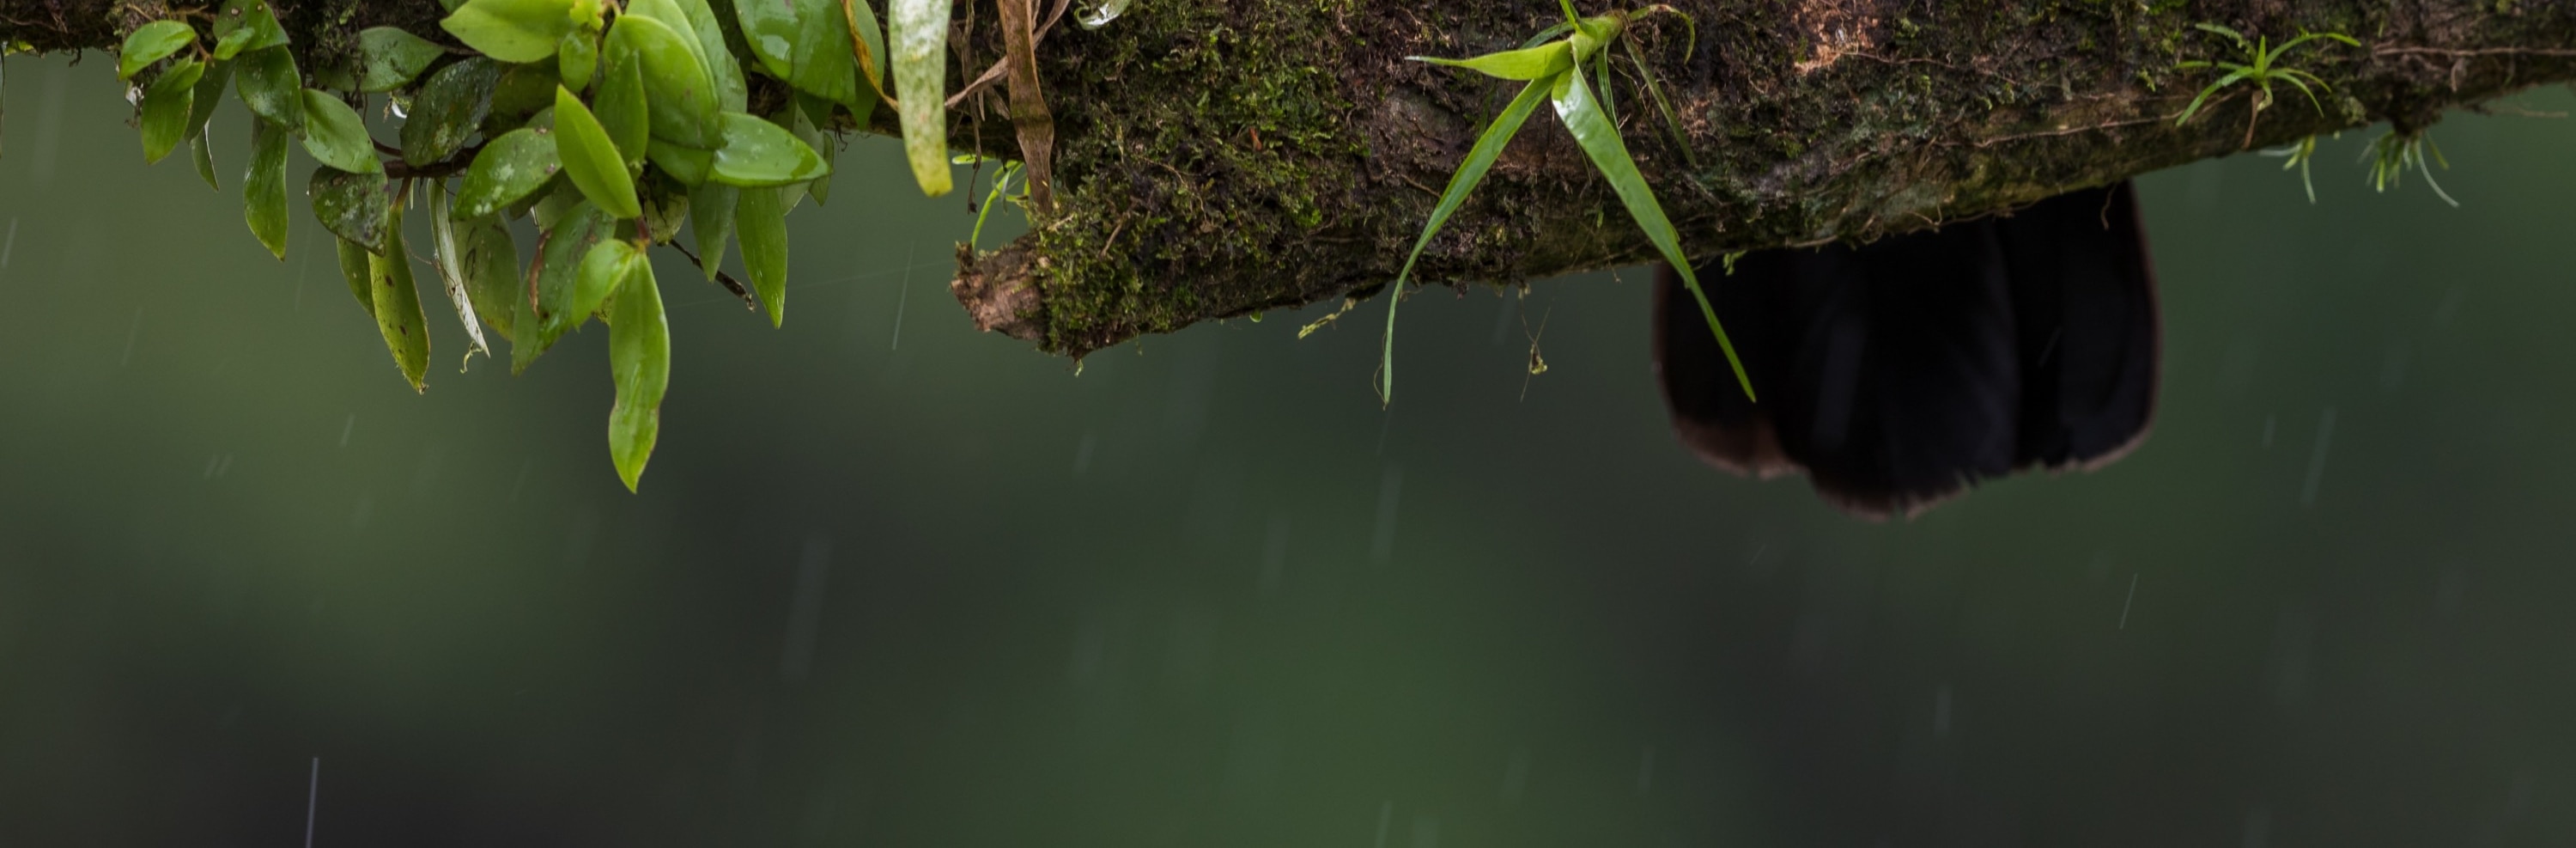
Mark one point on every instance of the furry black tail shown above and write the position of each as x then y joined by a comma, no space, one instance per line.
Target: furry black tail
1897,373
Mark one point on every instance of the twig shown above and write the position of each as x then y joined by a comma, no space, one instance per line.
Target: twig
727,280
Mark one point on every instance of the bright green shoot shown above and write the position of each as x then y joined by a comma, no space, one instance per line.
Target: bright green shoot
2299,153
2261,68
1553,67
2390,155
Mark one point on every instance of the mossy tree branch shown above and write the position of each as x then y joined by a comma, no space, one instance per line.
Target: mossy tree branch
1219,159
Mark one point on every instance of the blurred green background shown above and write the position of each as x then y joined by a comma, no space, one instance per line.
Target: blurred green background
893,582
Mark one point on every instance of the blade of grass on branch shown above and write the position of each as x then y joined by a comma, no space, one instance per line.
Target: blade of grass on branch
1480,159
1600,140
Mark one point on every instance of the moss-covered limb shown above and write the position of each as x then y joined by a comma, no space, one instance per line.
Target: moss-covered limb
1217,159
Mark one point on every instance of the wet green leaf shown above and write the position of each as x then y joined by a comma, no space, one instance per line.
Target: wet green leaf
397,307
759,153
711,210
577,58
509,168
1599,137
353,268
622,109
639,360
708,27
389,58
689,165
760,221
353,206
336,135
449,110
559,254
166,105
151,43
607,265
201,153
591,159
807,43
245,26
921,82
515,30
264,187
675,80
209,94
270,87
492,278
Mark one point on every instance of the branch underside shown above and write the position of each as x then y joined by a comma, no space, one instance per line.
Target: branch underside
1219,159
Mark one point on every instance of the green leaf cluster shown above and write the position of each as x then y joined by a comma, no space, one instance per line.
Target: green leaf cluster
608,126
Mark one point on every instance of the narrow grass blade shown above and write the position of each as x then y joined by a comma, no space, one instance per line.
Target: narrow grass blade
1600,140
1480,159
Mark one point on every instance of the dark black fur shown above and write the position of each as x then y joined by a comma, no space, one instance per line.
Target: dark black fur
1896,374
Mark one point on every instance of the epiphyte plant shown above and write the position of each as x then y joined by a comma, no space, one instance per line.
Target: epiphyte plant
610,125
2262,67
2394,152
1553,66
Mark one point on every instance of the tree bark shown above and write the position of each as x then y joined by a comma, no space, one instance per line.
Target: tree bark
1219,159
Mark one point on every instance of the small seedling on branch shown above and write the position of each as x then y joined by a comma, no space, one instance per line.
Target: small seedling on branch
2261,68
1554,66
2392,154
